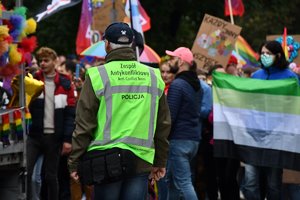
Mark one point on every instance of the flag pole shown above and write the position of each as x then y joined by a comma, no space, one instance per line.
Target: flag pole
284,44
232,22
230,12
131,23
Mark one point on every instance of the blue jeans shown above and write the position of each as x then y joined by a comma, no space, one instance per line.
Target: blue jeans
130,188
290,191
179,172
251,187
162,186
36,179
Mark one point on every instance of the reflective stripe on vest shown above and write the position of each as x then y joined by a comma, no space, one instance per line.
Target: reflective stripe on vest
109,91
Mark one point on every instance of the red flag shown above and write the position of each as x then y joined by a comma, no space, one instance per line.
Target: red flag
84,34
146,25
237,7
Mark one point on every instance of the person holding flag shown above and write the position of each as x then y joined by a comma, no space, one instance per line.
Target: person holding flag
274,67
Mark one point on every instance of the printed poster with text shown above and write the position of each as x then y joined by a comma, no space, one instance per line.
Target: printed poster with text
214,42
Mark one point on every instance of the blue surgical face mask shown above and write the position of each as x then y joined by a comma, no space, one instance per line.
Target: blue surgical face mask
267,60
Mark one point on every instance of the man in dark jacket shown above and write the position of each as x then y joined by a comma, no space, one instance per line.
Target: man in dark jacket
53,115
184,98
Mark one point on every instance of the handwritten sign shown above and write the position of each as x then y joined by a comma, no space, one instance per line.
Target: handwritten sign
214,42
107,13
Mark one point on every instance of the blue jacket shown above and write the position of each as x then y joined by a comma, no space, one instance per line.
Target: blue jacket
207,101
274,73
184,99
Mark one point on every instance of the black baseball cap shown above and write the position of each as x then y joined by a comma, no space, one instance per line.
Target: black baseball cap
118,33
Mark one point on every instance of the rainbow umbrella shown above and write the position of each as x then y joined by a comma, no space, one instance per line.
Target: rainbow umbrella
98,50
149,55
95,50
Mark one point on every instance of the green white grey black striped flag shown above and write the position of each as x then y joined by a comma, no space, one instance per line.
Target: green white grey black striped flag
257,121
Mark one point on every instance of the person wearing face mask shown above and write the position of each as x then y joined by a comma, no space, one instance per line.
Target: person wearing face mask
273,62
274,67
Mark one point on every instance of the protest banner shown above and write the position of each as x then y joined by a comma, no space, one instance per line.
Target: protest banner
95,17
214,42
107,13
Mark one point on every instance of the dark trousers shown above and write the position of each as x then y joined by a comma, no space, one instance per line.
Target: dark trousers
49,146
64,179
227,170
210,171
135,187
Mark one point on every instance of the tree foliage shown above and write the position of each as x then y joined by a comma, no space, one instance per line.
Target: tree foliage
176,23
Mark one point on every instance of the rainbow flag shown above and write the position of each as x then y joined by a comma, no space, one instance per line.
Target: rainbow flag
246,52
5,129
18,123
28,121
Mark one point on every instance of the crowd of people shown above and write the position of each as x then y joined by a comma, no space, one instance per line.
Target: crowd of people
120,129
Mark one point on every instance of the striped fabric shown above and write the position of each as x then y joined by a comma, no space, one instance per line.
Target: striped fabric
257,121
18,123
244,50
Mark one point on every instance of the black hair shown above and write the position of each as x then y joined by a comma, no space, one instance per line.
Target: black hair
213,68
138,42
275,48
70,65
193,67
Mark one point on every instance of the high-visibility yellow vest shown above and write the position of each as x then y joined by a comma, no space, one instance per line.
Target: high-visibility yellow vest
129,93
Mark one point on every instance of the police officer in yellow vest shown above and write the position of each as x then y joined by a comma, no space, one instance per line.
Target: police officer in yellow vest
122,123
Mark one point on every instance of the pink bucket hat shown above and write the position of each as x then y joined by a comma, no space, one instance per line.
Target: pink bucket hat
183,53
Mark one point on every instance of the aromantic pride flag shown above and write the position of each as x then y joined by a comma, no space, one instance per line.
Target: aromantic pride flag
257,121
